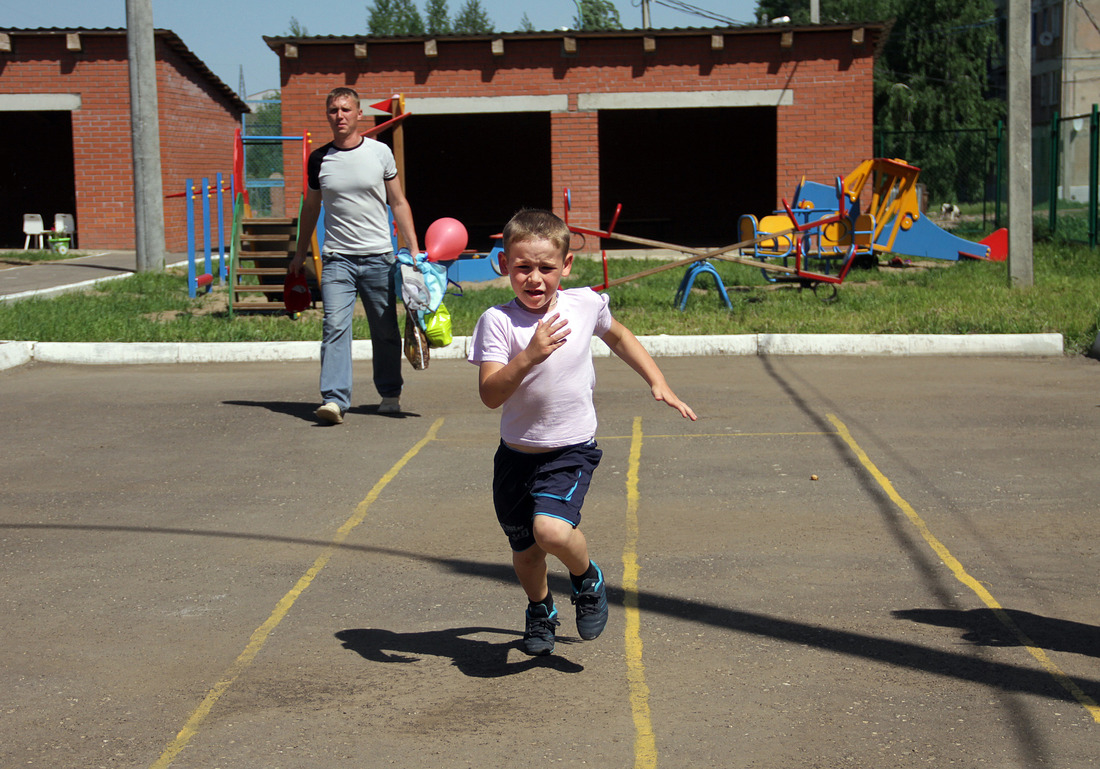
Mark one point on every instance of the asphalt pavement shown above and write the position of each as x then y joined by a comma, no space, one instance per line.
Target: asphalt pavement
882,558
847,561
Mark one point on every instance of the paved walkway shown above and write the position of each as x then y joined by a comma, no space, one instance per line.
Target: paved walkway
52,278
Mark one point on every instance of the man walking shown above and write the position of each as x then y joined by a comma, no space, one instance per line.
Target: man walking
356,178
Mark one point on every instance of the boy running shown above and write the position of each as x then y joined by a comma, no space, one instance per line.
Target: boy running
535,361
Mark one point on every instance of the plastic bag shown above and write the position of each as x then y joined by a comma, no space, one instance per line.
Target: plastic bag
414,291
421,284
437,327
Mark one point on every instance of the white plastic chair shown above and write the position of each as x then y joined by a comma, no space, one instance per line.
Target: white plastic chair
33,228
65,224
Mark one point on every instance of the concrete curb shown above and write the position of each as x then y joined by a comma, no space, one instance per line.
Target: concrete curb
109,353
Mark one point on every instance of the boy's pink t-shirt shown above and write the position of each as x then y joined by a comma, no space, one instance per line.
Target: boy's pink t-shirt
553,405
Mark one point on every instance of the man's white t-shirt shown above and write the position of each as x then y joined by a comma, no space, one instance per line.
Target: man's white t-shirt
552,406
353,188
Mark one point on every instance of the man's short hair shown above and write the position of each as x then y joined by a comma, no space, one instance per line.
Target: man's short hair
537,224
340,93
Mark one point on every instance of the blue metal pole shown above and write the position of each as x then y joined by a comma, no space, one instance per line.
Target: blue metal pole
206,224
221,232
189,196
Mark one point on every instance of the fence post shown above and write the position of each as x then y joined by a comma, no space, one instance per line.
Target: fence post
1094,172
1055,131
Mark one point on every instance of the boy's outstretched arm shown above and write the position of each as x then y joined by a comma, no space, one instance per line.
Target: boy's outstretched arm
623,343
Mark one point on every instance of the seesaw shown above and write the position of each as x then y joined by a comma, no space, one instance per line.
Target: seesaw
697,258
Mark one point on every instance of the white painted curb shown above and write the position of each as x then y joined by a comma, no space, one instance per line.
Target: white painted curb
15,354
106,353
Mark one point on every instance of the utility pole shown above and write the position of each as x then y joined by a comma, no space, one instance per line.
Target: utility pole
145,136
645,14
1020,265
815,11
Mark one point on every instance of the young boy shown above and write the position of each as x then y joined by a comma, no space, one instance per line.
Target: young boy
535,360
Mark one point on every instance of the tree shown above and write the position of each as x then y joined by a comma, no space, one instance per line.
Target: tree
932,79
394,18
297,29
596,15
436,18
472,19
525,24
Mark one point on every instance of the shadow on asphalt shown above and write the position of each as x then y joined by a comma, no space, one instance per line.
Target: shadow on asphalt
902,654
474,658
304,411
984,628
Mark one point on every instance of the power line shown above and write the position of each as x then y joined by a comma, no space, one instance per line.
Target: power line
693,10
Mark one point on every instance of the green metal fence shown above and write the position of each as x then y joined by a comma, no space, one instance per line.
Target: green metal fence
969,167
263,157
957,167
1064,176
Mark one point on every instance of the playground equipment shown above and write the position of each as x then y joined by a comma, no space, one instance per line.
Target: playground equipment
899,227
804,243
207,192
816,239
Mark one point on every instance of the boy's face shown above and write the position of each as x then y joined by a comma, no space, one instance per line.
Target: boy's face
535,269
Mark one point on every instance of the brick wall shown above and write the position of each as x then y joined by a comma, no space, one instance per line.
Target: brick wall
196,128
826,131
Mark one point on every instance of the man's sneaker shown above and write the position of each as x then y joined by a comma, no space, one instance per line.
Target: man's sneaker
591,603
330,413
538,636
390,406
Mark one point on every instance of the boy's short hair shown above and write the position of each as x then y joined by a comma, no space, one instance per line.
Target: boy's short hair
341,92
537,224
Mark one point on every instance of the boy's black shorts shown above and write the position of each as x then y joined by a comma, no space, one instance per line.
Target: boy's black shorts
552,483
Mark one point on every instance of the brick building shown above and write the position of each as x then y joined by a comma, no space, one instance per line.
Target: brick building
686,128
65,138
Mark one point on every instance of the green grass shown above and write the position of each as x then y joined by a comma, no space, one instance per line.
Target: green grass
929,298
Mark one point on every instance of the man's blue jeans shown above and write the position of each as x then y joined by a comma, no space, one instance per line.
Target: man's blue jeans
372,278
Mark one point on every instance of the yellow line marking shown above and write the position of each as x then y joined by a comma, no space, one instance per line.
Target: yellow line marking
260,634
962,576
645,745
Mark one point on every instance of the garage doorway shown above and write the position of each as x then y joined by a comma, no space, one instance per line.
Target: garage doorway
36,158
479,169
685,176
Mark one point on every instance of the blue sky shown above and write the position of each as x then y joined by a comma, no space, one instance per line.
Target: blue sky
228,34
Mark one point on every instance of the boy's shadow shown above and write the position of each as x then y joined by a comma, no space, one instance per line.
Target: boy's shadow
477,659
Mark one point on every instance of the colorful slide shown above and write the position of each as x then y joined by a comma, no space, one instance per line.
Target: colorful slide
900,227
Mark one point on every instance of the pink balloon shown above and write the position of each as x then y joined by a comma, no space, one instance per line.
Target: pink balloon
445,240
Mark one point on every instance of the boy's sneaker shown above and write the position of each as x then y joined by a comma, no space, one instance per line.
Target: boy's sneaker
390,406
591,603
538,636
330,413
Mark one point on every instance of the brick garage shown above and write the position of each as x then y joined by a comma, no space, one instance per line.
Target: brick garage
65,137
687,129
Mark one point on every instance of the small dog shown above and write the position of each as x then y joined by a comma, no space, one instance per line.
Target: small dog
950,211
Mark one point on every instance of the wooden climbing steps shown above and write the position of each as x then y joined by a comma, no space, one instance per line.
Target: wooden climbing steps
263,248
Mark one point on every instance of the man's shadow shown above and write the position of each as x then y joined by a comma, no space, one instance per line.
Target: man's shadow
304,411
473,657
982,627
